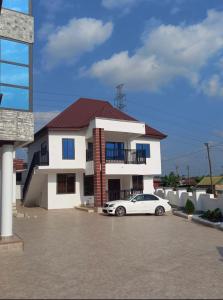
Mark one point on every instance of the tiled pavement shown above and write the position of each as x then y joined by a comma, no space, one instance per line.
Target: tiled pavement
73,254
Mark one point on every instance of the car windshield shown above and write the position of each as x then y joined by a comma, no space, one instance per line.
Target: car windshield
129,198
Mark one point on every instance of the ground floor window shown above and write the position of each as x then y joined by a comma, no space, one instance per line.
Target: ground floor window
137,183
66,183
88,185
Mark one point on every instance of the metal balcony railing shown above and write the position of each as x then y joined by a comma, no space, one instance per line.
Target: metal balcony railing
38,160
125,156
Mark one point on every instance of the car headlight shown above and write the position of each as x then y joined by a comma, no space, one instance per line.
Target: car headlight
111,205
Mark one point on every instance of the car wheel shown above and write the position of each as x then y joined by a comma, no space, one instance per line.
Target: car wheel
160,211
120,211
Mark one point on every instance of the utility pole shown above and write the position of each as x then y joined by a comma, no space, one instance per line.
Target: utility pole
120,99
188,174
177,170
210,167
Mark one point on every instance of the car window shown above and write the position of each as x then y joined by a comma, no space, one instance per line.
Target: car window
139,198
149,197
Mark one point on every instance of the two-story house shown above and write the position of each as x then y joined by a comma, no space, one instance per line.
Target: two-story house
91,153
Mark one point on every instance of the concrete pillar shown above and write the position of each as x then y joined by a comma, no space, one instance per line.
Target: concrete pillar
148,184
7,191
99,167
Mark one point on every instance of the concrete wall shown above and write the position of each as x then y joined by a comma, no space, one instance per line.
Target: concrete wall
16,125
16,26
201,200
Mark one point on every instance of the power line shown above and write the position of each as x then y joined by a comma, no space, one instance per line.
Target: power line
182,156
182,118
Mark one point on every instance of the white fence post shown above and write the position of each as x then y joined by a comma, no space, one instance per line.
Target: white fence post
181,196
198,200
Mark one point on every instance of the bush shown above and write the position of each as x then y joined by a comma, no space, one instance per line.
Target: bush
213,216
189,207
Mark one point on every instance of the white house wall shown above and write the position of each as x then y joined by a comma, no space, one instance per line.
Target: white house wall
152,166
148,184
60,201
113,125
56,160
153,163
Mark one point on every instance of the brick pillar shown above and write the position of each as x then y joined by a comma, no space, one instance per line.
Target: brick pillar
99,167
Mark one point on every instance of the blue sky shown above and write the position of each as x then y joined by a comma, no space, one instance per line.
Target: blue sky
168,53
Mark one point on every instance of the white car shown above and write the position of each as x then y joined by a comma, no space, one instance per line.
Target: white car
138,204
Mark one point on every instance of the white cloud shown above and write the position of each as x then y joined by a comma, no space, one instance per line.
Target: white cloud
219,133
43,117
167,52
68,42
45,30
213,87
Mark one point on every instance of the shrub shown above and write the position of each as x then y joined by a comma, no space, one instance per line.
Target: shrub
189,207
214,215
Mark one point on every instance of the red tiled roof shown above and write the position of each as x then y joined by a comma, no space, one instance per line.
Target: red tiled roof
79,114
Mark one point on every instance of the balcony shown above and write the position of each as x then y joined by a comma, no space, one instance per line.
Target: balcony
121,156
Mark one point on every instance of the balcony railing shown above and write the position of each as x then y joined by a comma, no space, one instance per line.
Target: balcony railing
38,160
123,156
122,194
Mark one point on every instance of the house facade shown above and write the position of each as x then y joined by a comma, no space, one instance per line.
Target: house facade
91,153
16,117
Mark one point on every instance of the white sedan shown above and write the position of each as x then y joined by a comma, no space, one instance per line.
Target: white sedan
138,204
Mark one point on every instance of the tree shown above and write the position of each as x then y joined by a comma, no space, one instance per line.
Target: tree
171,180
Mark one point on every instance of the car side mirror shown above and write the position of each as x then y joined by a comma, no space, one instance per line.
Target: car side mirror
133,200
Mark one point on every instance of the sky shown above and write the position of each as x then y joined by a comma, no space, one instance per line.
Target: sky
167,53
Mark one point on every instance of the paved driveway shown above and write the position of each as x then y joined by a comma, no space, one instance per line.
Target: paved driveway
73,254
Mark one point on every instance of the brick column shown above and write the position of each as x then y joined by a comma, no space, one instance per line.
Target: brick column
99,167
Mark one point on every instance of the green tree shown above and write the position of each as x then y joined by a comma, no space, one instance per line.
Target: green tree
171,180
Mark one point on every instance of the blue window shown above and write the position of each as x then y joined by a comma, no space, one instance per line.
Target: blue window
115,151
68,148
14,52
14,75
143,149
17,5
14,98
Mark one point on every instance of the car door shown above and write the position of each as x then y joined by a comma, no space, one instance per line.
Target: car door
135,206
150,203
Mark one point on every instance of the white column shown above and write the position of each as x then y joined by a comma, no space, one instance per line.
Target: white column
148,184
7,191
0,181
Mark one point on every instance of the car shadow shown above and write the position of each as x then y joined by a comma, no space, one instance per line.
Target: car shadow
220,251
133,215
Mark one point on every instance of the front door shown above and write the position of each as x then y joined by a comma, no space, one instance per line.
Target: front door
114,187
